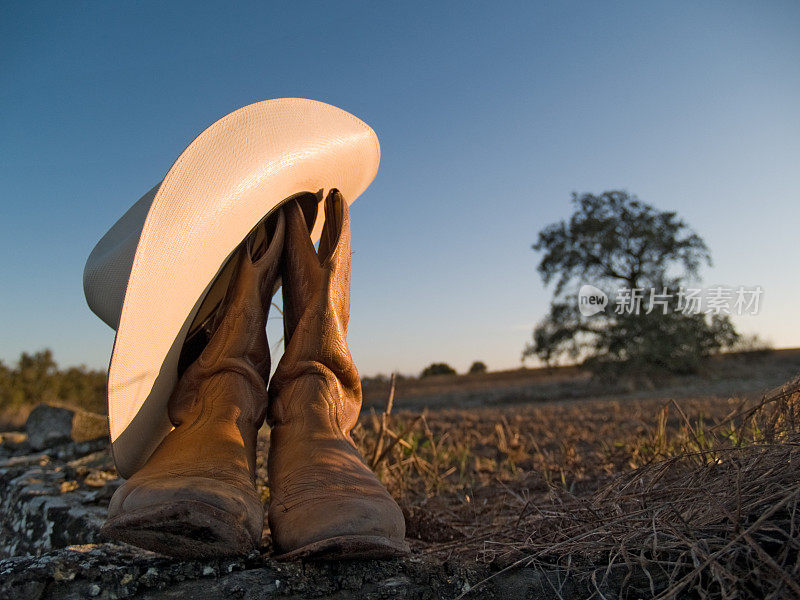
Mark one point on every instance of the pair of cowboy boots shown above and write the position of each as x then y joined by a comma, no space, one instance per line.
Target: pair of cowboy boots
196,494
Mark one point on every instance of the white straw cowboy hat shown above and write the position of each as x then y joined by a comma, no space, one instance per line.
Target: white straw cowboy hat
160,270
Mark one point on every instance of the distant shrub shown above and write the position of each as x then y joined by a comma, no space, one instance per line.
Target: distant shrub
478,367
437,369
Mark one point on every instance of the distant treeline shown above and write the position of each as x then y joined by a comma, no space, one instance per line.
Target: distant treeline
36,378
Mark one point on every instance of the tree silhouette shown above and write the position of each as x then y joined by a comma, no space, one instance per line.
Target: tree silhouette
616,242
437,369
478,367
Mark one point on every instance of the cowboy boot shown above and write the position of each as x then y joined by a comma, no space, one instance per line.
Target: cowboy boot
324,501
196,495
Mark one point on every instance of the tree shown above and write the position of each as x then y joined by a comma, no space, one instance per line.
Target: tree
616,242
437,369
478,367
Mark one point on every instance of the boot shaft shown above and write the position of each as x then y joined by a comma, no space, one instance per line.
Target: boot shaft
223,392
323,499
316,368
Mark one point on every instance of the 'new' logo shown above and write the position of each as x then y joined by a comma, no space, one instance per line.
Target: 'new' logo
591,300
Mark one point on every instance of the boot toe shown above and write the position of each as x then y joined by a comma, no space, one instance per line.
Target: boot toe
368,525
185,516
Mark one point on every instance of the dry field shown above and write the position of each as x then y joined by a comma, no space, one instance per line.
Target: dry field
627,496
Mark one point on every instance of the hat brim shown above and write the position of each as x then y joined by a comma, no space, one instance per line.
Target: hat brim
237,172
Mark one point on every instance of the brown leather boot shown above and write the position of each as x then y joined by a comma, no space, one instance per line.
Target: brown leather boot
324,501
196,495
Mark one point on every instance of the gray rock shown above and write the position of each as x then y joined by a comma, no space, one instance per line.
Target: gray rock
49,425
48,503
122,571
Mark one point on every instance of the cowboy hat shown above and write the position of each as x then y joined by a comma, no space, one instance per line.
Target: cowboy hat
160,270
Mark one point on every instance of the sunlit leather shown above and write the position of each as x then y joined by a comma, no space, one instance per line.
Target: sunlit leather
319,487
196,494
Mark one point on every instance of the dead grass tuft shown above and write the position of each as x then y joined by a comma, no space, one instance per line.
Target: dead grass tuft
635,500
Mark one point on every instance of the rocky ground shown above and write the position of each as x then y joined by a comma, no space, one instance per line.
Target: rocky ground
53,501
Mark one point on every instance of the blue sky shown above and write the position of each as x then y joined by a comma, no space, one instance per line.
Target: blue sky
489,116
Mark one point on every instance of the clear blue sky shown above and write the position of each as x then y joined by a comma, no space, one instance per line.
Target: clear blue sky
489,116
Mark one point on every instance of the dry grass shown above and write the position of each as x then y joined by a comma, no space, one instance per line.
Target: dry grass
628,499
